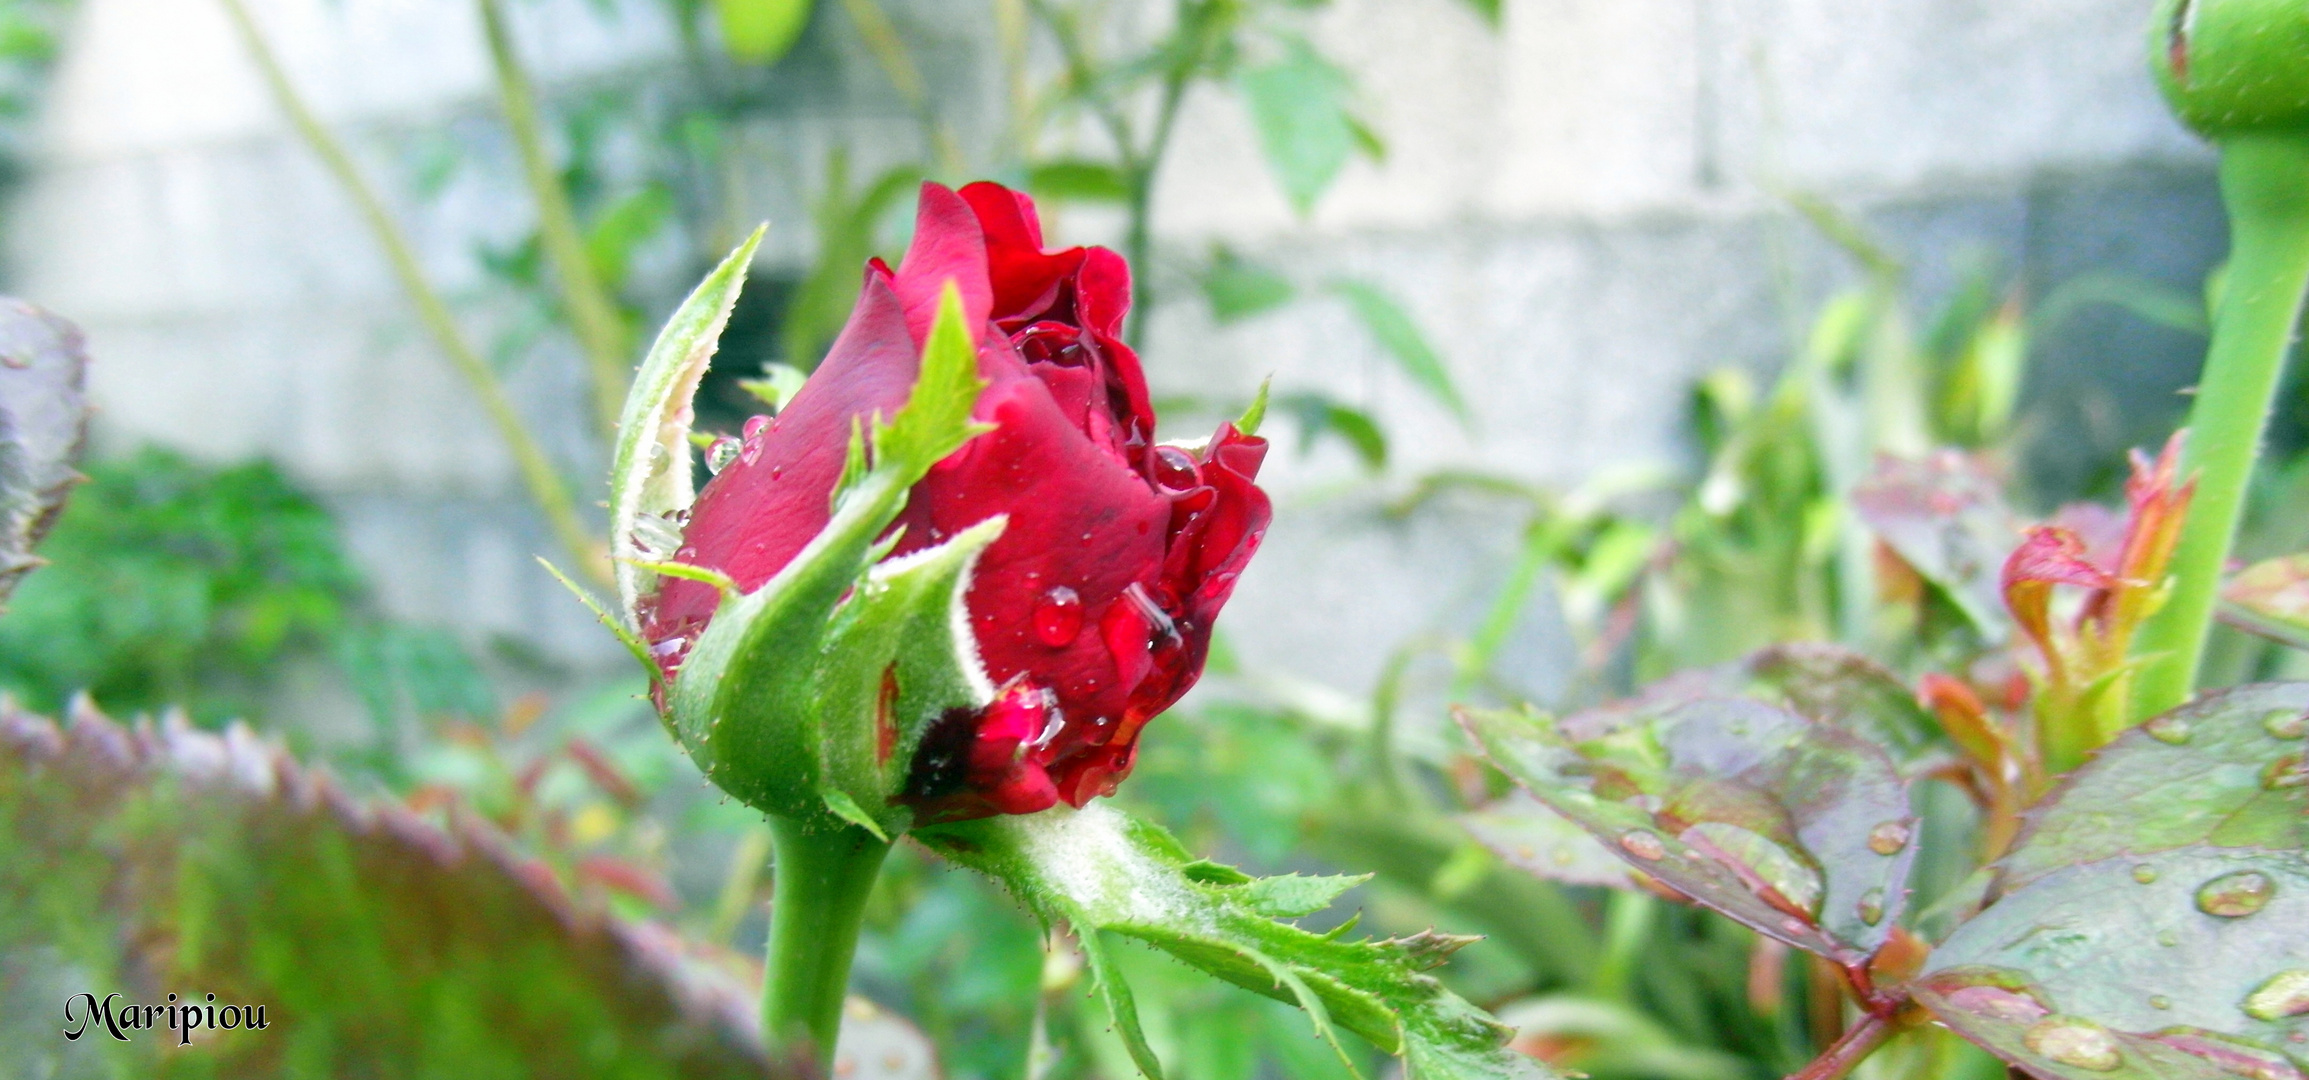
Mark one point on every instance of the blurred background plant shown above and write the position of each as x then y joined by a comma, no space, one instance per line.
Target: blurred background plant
228,591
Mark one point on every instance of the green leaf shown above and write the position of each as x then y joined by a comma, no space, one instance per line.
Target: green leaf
1798,829
1489,9
650,467
2210,773
150,861
1399,335
1110,876
622,227
43,419
1318,416
1946,517
1078,181
761,31
777,386
825,678
1298,106
1255,413
2166,966
1237,289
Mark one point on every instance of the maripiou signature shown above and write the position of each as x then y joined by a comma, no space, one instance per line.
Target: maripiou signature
181,1017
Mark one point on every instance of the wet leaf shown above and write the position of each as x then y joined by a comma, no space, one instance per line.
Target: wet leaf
1536,840
164,860
1817,681
1947,518
1077,181
2117,969
2199,775
2271,598
1110,877
1796,828
43,418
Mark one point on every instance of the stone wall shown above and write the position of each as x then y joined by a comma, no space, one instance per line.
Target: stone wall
1582,208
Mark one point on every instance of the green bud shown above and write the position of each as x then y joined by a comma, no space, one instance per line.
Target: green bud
2232,67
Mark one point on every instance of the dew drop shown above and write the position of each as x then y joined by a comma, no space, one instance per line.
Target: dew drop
1888,838
2075,1041
2234,896
2168,939
2160,1001
1872,906
2145,874
2281,724
2285,995
723,451
2168,729
1058,617
2289,771
1643,844
754,425
1174,469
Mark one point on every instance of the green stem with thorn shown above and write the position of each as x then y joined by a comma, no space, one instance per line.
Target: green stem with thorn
2265,186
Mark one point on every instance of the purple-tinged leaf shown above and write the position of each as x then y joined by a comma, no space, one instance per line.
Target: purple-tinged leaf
1538,841
1946,517
1796,828
2214,772
167,860
1817,681
43,419
2187,964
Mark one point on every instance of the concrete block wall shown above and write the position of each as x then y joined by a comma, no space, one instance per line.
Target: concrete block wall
1580,207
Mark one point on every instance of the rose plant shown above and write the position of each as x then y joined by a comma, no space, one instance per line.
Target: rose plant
941,592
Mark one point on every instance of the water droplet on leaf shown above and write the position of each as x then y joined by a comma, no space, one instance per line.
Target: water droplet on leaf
1058,617
2160,1001
2282,724
1888,838
1643,844
723,451
2168,939
2234,896
2075,1041
2285,995
2233,1056
2168,729
1872,906
2292,770
2145,874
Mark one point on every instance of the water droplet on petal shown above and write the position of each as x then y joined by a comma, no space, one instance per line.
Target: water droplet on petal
1643,844
2234,896
755,424
1872,906
1888,838
2168,729
2292,770
1174,469
2284,724
723,451
1058,617
2075,1041
2284,995
2145,874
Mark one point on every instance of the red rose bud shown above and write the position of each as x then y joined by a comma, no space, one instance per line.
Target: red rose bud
1092,611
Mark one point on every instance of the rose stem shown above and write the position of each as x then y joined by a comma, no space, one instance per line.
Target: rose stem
817,905
1860,1040
2265,186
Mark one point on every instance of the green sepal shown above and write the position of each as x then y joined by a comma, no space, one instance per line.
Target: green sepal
807,697
1108,875
650,466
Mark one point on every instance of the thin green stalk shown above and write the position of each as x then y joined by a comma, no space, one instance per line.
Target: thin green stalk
817,906
889,49
593,315
1628,918
546,486
2265,186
